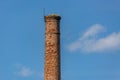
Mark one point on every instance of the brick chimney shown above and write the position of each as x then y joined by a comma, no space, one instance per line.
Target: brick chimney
52,47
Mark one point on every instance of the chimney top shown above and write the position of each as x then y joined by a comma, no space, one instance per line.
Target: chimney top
52,16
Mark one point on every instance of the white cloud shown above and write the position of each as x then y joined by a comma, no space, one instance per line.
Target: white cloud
93,31
90,42
25,72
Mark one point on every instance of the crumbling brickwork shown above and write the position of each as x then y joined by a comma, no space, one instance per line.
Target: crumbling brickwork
52,48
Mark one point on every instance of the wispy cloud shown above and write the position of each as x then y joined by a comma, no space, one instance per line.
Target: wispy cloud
93,31
90,42
25,71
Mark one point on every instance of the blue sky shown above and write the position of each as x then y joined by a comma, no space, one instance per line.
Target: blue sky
90,39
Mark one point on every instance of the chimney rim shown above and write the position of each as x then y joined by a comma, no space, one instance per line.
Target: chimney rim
52,16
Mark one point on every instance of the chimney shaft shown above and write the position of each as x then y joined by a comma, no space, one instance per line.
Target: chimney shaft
52,47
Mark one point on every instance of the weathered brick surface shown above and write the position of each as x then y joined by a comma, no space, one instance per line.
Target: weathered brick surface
52,48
